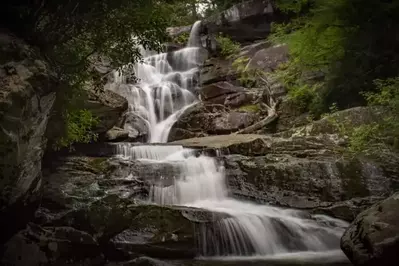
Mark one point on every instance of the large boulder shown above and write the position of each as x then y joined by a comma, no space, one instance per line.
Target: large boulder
227,94
210,119
27,95
244,22
373,238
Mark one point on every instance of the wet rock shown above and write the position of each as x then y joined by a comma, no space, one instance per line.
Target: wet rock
51,246
373,238
135,125
210,119
117,134
27,94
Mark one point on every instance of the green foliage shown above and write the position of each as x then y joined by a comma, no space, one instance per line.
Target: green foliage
79,125
228,47
382,133
247,76
335,39
182,38
387,93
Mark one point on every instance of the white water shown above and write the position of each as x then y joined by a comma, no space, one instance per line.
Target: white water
247,229
250,229
165,88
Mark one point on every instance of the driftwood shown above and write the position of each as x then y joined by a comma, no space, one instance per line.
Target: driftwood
270,107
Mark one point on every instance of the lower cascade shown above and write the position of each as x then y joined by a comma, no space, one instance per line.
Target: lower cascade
166,87
248,229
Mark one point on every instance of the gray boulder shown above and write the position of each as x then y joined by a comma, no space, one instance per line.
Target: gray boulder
373,238
210,119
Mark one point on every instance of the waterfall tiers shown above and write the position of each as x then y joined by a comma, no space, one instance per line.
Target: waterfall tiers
166,88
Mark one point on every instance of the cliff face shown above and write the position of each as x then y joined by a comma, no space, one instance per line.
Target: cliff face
27,94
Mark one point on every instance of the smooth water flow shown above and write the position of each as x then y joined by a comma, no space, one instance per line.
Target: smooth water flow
247,229
244,228
165,87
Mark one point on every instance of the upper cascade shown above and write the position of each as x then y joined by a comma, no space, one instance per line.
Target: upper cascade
165,87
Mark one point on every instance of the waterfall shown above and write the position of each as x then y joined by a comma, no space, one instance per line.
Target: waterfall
250,229
165,90
165,87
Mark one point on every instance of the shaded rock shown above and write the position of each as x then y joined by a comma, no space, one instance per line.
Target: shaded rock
257,145
51,246
107,106
373,238
210,119
227,94
26,97
244,22
117,134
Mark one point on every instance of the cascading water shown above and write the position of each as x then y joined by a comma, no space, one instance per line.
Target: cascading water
247,229
166,86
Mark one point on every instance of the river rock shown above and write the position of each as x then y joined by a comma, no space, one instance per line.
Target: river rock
210,119
373,238
27,94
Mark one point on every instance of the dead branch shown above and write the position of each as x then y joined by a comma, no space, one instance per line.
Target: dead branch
270,107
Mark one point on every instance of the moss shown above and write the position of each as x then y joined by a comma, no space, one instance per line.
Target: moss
99,164
253,108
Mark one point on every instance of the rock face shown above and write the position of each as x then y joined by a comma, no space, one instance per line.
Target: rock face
107,106
247,21
210,119
301,172
26,97
373,238
261,56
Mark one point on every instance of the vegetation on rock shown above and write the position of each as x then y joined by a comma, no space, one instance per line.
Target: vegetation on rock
334,52
228,47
